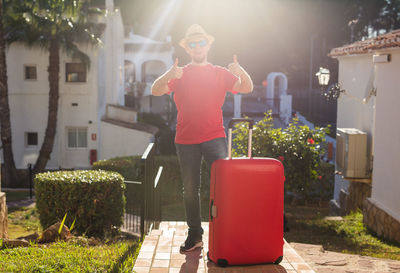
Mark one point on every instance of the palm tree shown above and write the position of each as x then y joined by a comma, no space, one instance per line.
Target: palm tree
10,172
54,25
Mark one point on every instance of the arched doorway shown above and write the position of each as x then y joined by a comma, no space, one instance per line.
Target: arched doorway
282,84
279,99
277,86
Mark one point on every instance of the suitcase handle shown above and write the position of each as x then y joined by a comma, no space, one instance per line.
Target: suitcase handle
230,126
211,210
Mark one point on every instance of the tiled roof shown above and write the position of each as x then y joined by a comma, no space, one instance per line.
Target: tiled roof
387,40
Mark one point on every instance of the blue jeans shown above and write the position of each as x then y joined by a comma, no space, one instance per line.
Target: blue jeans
190,157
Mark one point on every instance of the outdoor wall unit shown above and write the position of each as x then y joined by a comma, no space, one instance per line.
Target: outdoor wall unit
351,153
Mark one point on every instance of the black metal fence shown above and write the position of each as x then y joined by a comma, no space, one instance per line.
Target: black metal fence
143,198
314,105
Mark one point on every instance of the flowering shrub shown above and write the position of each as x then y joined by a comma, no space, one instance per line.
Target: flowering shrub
298,147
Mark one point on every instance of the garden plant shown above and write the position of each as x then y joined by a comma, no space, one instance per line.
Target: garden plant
300,149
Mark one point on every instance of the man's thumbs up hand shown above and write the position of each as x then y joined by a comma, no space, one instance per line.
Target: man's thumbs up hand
175,72
235,67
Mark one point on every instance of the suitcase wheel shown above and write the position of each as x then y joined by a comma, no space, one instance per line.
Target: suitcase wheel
222,262
278,260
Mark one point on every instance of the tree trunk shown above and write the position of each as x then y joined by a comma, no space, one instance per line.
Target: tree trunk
10,172
51,129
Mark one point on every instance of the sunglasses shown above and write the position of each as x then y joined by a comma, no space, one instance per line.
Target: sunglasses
201,43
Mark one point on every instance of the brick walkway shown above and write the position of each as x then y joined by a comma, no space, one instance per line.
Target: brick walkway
160,254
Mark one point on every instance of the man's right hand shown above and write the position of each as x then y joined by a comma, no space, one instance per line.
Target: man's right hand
175,71
160,85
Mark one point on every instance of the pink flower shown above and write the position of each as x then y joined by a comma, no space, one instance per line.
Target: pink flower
311,141
320,177
281,158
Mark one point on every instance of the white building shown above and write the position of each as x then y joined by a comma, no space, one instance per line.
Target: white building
146,60
92,122
369,74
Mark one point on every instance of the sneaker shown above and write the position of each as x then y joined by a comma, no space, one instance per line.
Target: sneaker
191,244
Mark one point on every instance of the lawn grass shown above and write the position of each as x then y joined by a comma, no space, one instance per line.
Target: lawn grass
309,225
70,257
110,256
22,221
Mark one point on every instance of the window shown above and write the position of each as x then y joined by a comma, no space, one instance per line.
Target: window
77,137
75,72
31,139
30,72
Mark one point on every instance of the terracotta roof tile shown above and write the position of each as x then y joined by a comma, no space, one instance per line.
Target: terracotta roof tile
387,40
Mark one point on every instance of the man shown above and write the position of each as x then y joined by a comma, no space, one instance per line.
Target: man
199,93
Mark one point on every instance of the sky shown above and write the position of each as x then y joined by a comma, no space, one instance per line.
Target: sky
266,35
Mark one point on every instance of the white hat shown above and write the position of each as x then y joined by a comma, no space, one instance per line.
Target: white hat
195,31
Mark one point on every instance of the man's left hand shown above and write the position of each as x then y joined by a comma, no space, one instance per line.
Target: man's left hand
235,67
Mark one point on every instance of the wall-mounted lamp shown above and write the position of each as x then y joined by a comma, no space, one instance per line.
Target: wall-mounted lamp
323,76
334,91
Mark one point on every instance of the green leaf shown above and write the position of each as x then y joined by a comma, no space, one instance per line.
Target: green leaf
62,223
72,225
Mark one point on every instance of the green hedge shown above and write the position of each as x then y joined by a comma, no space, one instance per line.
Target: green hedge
95,198
170,181
127,166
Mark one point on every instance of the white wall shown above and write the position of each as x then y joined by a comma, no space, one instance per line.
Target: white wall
110,65
120,141
354,73
29,107
378,118
386,175
84,114
27,117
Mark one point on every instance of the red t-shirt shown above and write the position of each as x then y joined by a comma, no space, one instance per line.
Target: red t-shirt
199,95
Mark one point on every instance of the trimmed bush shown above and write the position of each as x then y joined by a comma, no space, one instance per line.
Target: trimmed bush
95,198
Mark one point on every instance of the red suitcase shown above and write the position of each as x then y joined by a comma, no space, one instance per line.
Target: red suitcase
246,209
